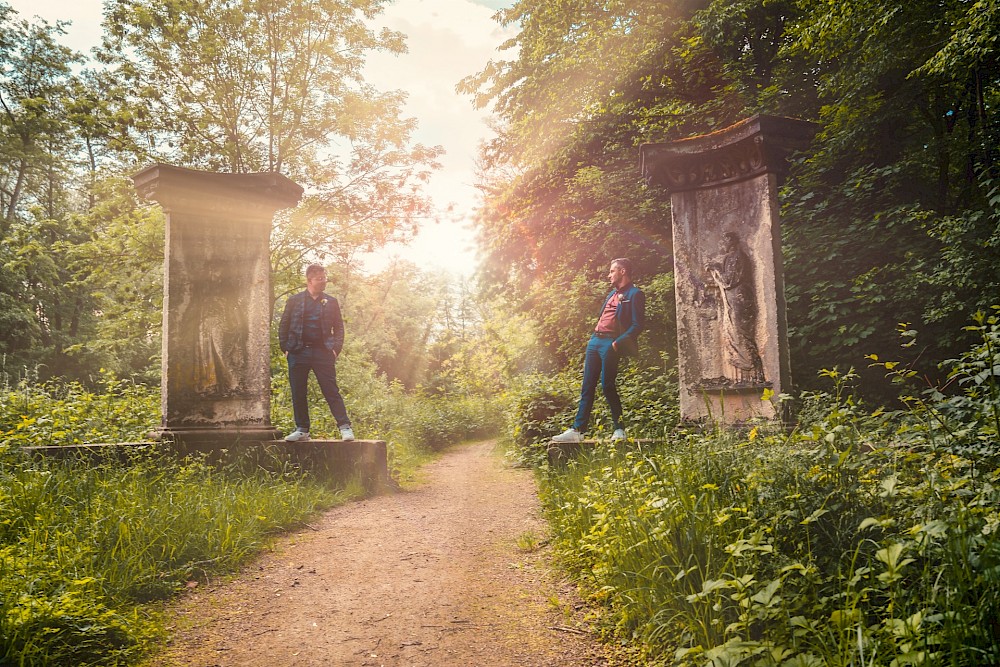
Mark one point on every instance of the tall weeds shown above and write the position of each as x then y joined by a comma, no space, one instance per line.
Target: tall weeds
81,548
67,413
858,539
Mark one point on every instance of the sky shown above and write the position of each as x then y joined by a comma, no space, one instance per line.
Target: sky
447,41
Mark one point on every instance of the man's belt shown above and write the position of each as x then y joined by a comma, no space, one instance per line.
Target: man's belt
605,334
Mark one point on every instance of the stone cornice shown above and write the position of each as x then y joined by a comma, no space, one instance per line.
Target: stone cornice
231,195
755,146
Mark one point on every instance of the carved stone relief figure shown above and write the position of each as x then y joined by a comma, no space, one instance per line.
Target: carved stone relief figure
732,274
220,349
214,319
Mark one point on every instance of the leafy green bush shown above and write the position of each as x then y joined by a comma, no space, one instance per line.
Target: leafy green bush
67,413
964,416
541,406
857,539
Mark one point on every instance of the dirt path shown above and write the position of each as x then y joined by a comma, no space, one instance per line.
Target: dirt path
426,578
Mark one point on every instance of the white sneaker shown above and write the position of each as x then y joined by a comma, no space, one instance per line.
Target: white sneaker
619,434
569,435
346,433
297,435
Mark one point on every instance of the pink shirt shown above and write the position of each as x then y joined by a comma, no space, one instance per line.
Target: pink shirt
606,322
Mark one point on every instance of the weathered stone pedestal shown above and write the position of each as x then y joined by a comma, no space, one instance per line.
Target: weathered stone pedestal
216,379
216,375
729,289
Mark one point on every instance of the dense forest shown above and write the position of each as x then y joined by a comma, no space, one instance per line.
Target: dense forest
890,217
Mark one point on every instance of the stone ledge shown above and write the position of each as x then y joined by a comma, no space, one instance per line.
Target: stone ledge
118,452
336,460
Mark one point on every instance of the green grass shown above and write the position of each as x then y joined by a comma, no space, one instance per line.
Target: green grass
86,552
67,413
82,549
859,539
715,550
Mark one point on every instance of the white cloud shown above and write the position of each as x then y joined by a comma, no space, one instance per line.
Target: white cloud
85,16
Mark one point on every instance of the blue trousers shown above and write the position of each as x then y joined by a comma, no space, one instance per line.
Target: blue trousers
321,362
600,362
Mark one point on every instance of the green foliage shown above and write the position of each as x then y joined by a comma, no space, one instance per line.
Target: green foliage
435,423
120,263
586,83
963,416
38,319
856,539
541,406
247,87
398,314
889,216
81,548
67,413
907,153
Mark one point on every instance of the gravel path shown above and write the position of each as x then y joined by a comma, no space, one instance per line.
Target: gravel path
432,577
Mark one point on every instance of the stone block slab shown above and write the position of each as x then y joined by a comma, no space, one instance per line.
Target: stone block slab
334,460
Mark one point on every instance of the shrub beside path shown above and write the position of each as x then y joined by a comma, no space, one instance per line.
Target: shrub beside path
433,577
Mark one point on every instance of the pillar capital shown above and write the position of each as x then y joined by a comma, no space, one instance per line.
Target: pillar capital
755,146
182,190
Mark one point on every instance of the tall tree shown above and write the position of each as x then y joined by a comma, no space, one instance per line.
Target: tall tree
891,217
589,82
120,266
276,85
35,80
38,317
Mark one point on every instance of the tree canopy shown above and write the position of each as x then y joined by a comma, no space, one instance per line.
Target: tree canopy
232,85
889,217
276,85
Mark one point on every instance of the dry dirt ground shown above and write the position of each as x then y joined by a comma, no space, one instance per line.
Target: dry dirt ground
431,577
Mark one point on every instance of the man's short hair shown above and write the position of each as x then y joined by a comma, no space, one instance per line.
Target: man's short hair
313,269
625,263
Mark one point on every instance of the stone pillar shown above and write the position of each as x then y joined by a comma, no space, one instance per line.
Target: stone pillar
731,330
216,374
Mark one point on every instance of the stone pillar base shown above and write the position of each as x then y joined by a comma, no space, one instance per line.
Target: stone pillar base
200,439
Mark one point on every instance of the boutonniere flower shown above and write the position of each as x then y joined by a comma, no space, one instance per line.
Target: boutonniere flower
323,302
